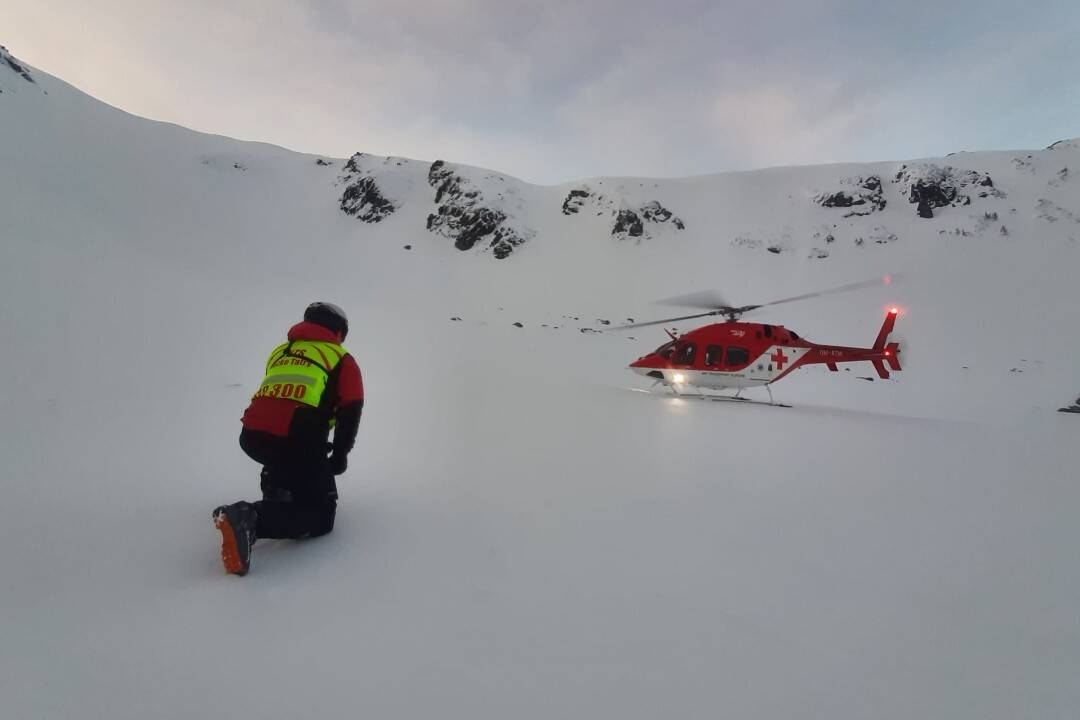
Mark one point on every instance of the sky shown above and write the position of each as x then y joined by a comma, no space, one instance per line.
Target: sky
557,91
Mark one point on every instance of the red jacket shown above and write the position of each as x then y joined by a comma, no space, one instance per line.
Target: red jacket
276,415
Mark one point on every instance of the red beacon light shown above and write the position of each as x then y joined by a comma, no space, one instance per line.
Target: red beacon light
894,310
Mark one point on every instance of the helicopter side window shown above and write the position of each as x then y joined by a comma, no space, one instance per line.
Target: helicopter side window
714,356
684,354
665,350
737,356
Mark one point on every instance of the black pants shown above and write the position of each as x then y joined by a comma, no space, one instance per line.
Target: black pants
299,490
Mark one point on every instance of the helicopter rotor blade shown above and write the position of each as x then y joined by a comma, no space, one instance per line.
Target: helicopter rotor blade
705,300
665,320
885,280
714,304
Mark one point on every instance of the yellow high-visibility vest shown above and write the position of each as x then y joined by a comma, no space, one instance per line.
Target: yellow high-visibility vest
298,370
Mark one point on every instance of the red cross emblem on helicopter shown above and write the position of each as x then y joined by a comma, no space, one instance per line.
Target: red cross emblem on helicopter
779,358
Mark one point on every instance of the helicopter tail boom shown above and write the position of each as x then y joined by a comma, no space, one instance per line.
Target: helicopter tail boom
880,354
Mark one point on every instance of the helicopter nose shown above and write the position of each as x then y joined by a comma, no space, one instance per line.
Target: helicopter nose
645,365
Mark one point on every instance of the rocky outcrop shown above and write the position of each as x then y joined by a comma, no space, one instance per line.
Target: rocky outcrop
14,65
464,217
864,195
654,212
362,197
627,220
363,200
627,225
929,186
635,223
575,201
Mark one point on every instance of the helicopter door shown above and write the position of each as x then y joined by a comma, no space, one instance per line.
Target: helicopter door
737,357
684,354
714,356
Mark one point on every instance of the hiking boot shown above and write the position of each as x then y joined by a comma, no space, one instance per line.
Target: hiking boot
237,525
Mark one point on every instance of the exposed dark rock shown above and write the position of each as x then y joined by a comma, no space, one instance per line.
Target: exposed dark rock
627,220
1075,408
575,200
775,249
15,66
654,212
931,186
320,161
363,200
627,224
518,325
838,199
462,218
455,319
408,247
932,194
925,209
866,196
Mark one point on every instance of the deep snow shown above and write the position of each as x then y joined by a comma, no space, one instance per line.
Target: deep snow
520,535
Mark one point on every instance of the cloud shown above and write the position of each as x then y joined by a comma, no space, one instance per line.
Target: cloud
560,90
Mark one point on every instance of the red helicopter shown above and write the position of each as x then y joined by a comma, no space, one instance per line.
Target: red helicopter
734,354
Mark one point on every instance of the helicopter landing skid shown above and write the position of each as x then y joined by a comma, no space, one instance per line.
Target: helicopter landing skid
699,395
734,399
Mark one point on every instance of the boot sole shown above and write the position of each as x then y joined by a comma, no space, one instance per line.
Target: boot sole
230,552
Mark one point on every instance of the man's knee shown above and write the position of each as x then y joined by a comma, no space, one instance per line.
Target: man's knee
323,520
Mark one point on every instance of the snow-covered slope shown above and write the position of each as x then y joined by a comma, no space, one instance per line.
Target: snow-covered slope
520,535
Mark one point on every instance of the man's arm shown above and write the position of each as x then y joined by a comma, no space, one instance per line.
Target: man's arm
348,423
350,405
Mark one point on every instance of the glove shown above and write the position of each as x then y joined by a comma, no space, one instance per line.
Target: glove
338,462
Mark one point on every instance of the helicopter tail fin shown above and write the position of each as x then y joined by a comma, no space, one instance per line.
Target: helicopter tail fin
886,328
890,351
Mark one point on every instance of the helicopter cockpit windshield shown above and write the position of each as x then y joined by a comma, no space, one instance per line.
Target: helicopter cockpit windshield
665,350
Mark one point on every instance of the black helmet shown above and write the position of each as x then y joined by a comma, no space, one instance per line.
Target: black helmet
329,316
